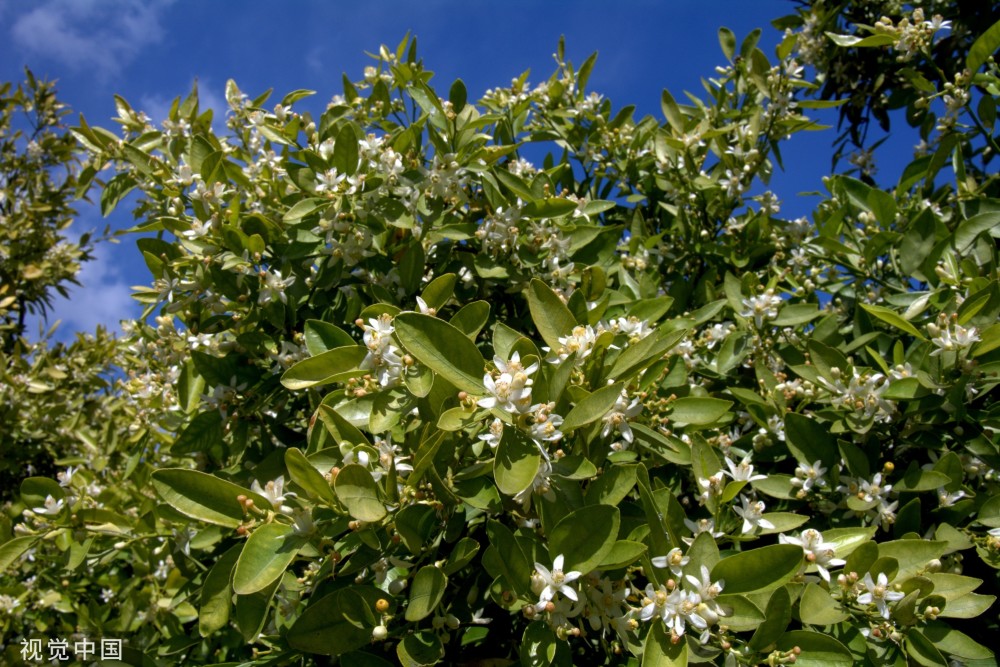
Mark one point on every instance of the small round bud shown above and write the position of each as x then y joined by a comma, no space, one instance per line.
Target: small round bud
382,605
380,633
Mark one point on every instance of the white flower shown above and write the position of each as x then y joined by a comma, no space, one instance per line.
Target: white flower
514,365
274,286
545,426
508,392
742,471
51,506
960,340
761,307
701,526
674,559
619,414
809,476
752,514
493,434
9,603
879,593
660,602
273,491
705,587
556,581
817,552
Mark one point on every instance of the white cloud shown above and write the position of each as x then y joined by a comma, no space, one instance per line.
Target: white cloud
96,35
104,297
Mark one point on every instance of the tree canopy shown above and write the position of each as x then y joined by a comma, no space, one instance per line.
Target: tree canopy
423,379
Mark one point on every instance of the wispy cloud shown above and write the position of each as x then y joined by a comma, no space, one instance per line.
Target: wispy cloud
104,297
96,35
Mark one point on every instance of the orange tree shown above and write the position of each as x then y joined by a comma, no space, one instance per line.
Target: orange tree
408,394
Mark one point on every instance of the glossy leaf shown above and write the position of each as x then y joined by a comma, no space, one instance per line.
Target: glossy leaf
443,348
204,497
584,550
359,493
333,365
426,592
551,316
268,552
760,569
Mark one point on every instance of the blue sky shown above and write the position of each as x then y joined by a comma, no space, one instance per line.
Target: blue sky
150,51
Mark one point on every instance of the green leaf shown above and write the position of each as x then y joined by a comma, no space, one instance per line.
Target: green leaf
984,47
912,555
304,208
846,540
333,365
818,650
776,618
359,493
337,623
216,593
553,207
742,615
592,407
817,607
969,230
461,555
859,42
760,569
345,150
611,487
511,562
426,592
541,648
622,554
308,477
551,316
584,550
268,552
989,513
516,463
471,318
439,290
12,550
420,649
955,643
921,651
698,410
200,435
415,525
660,651
34,491
250,611
203,496
809,441
638,356
443,348
970,605
892,318
727,40
323,336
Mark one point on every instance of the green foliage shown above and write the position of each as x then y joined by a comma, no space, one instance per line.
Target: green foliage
408,395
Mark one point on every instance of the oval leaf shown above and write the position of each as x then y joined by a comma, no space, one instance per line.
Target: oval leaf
203,496
359,493
266,555
760,569
331,366
443,348
585,548
426,592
